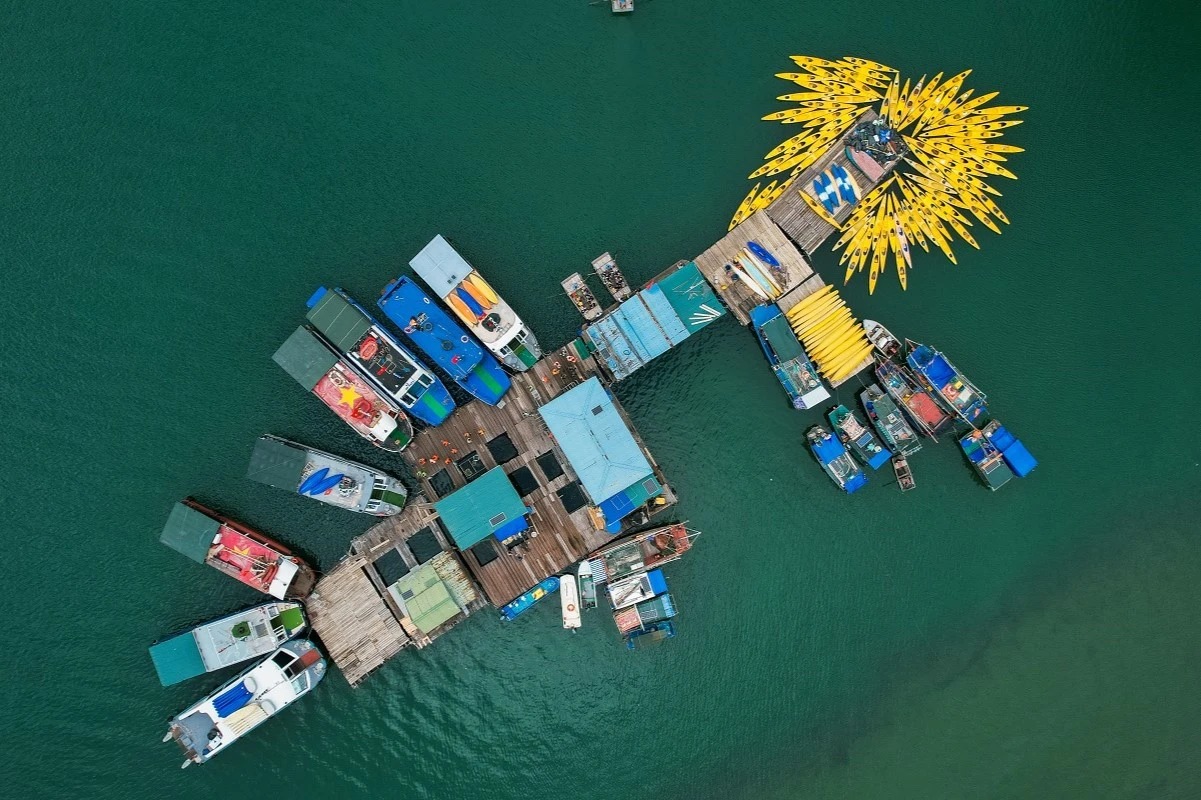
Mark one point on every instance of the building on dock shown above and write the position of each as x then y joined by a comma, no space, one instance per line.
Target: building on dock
673,306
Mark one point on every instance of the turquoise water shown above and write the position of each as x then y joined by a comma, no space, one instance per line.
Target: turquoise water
177,179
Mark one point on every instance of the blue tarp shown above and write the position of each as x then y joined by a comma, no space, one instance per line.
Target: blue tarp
656,581
665,315
939,371
1013,451
828,449
511,528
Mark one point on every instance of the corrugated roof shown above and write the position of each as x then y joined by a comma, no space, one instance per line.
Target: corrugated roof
189,532
440,266
595,439
276,463
304,357
480,508
339,321
426,598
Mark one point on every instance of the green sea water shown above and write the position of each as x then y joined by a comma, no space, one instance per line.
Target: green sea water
177,177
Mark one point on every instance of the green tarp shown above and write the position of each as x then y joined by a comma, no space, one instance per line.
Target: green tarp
277,464
340,322
690,296
305,358
189,532
480,508
779,334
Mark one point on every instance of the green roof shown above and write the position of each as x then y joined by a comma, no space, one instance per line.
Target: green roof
480,508
305,357
177,659
340,322
189,532
779,334
277,463
426,598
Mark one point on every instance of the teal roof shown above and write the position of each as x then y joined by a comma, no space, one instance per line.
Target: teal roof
339,321
305,358
480,508
277,463
595,439
689,294
177,659
190,532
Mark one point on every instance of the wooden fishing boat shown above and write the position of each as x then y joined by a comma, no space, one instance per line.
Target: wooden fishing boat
587,584
889,421
927,415
606,269
581,296
900,467
857,437
881,338
835,460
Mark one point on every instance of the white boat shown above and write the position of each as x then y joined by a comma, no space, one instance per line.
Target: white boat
881,338
230,640
476,304
322,476
241,705
569,598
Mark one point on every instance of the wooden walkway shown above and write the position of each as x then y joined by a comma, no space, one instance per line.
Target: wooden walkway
461,445
794,215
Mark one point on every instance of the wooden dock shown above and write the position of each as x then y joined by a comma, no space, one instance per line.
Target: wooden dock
478,437
793,214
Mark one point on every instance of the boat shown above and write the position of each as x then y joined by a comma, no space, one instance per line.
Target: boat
950,386
762,253
642,615
514,608
1012,450
378,356
900,468
881,338
226,641
581,296
835,460
476,304
322,476
318,368
902,386
857,437
587,584
239,706
889,421
787,357
605,267
621,6
652,634
986,459
443,341
569,601
636,588
240,552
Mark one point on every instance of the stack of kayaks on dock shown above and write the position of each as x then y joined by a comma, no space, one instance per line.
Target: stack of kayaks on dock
758,270
833,338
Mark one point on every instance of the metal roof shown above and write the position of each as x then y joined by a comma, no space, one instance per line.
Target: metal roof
426,598
339,321
595,439
440,266
277,463
480,508
304,357
190,532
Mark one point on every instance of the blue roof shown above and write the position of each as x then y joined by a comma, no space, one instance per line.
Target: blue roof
827,448
481,508
438,337
1013,451
596,441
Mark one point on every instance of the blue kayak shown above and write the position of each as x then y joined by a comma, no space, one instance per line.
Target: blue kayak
762,253
826,192
845,188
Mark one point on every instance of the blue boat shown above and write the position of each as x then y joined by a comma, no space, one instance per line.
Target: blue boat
525,602
986,459
762,253
787,358
858,437
1012,450
377,356
446,344
948,385
835,460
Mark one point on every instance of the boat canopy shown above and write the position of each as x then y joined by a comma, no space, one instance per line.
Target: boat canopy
177,659
828,448
783,341
305,358
488,505
190,532
933,365
440,266
1013,451
339,321
277,463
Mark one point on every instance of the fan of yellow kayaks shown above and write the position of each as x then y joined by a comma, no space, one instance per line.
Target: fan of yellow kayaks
832,337
941,189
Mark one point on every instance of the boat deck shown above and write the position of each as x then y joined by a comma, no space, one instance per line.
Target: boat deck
582,296
478,437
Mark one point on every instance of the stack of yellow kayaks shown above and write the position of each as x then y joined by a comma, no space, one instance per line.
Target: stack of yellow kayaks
937,194
832,337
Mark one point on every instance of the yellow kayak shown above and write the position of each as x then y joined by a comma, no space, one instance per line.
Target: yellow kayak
479,283
461,310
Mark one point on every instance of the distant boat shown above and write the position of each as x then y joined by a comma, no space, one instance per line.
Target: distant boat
835,460
652,634
857,437
239,706
950,386
587,584
889,421
569,600
636,588
331,479
985,457
1012,450
447,345
787,357
621,6
476,304
581,296
900,468
525,602
226,641
240,552
881,338
605,267
377,355
318,368
926,413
